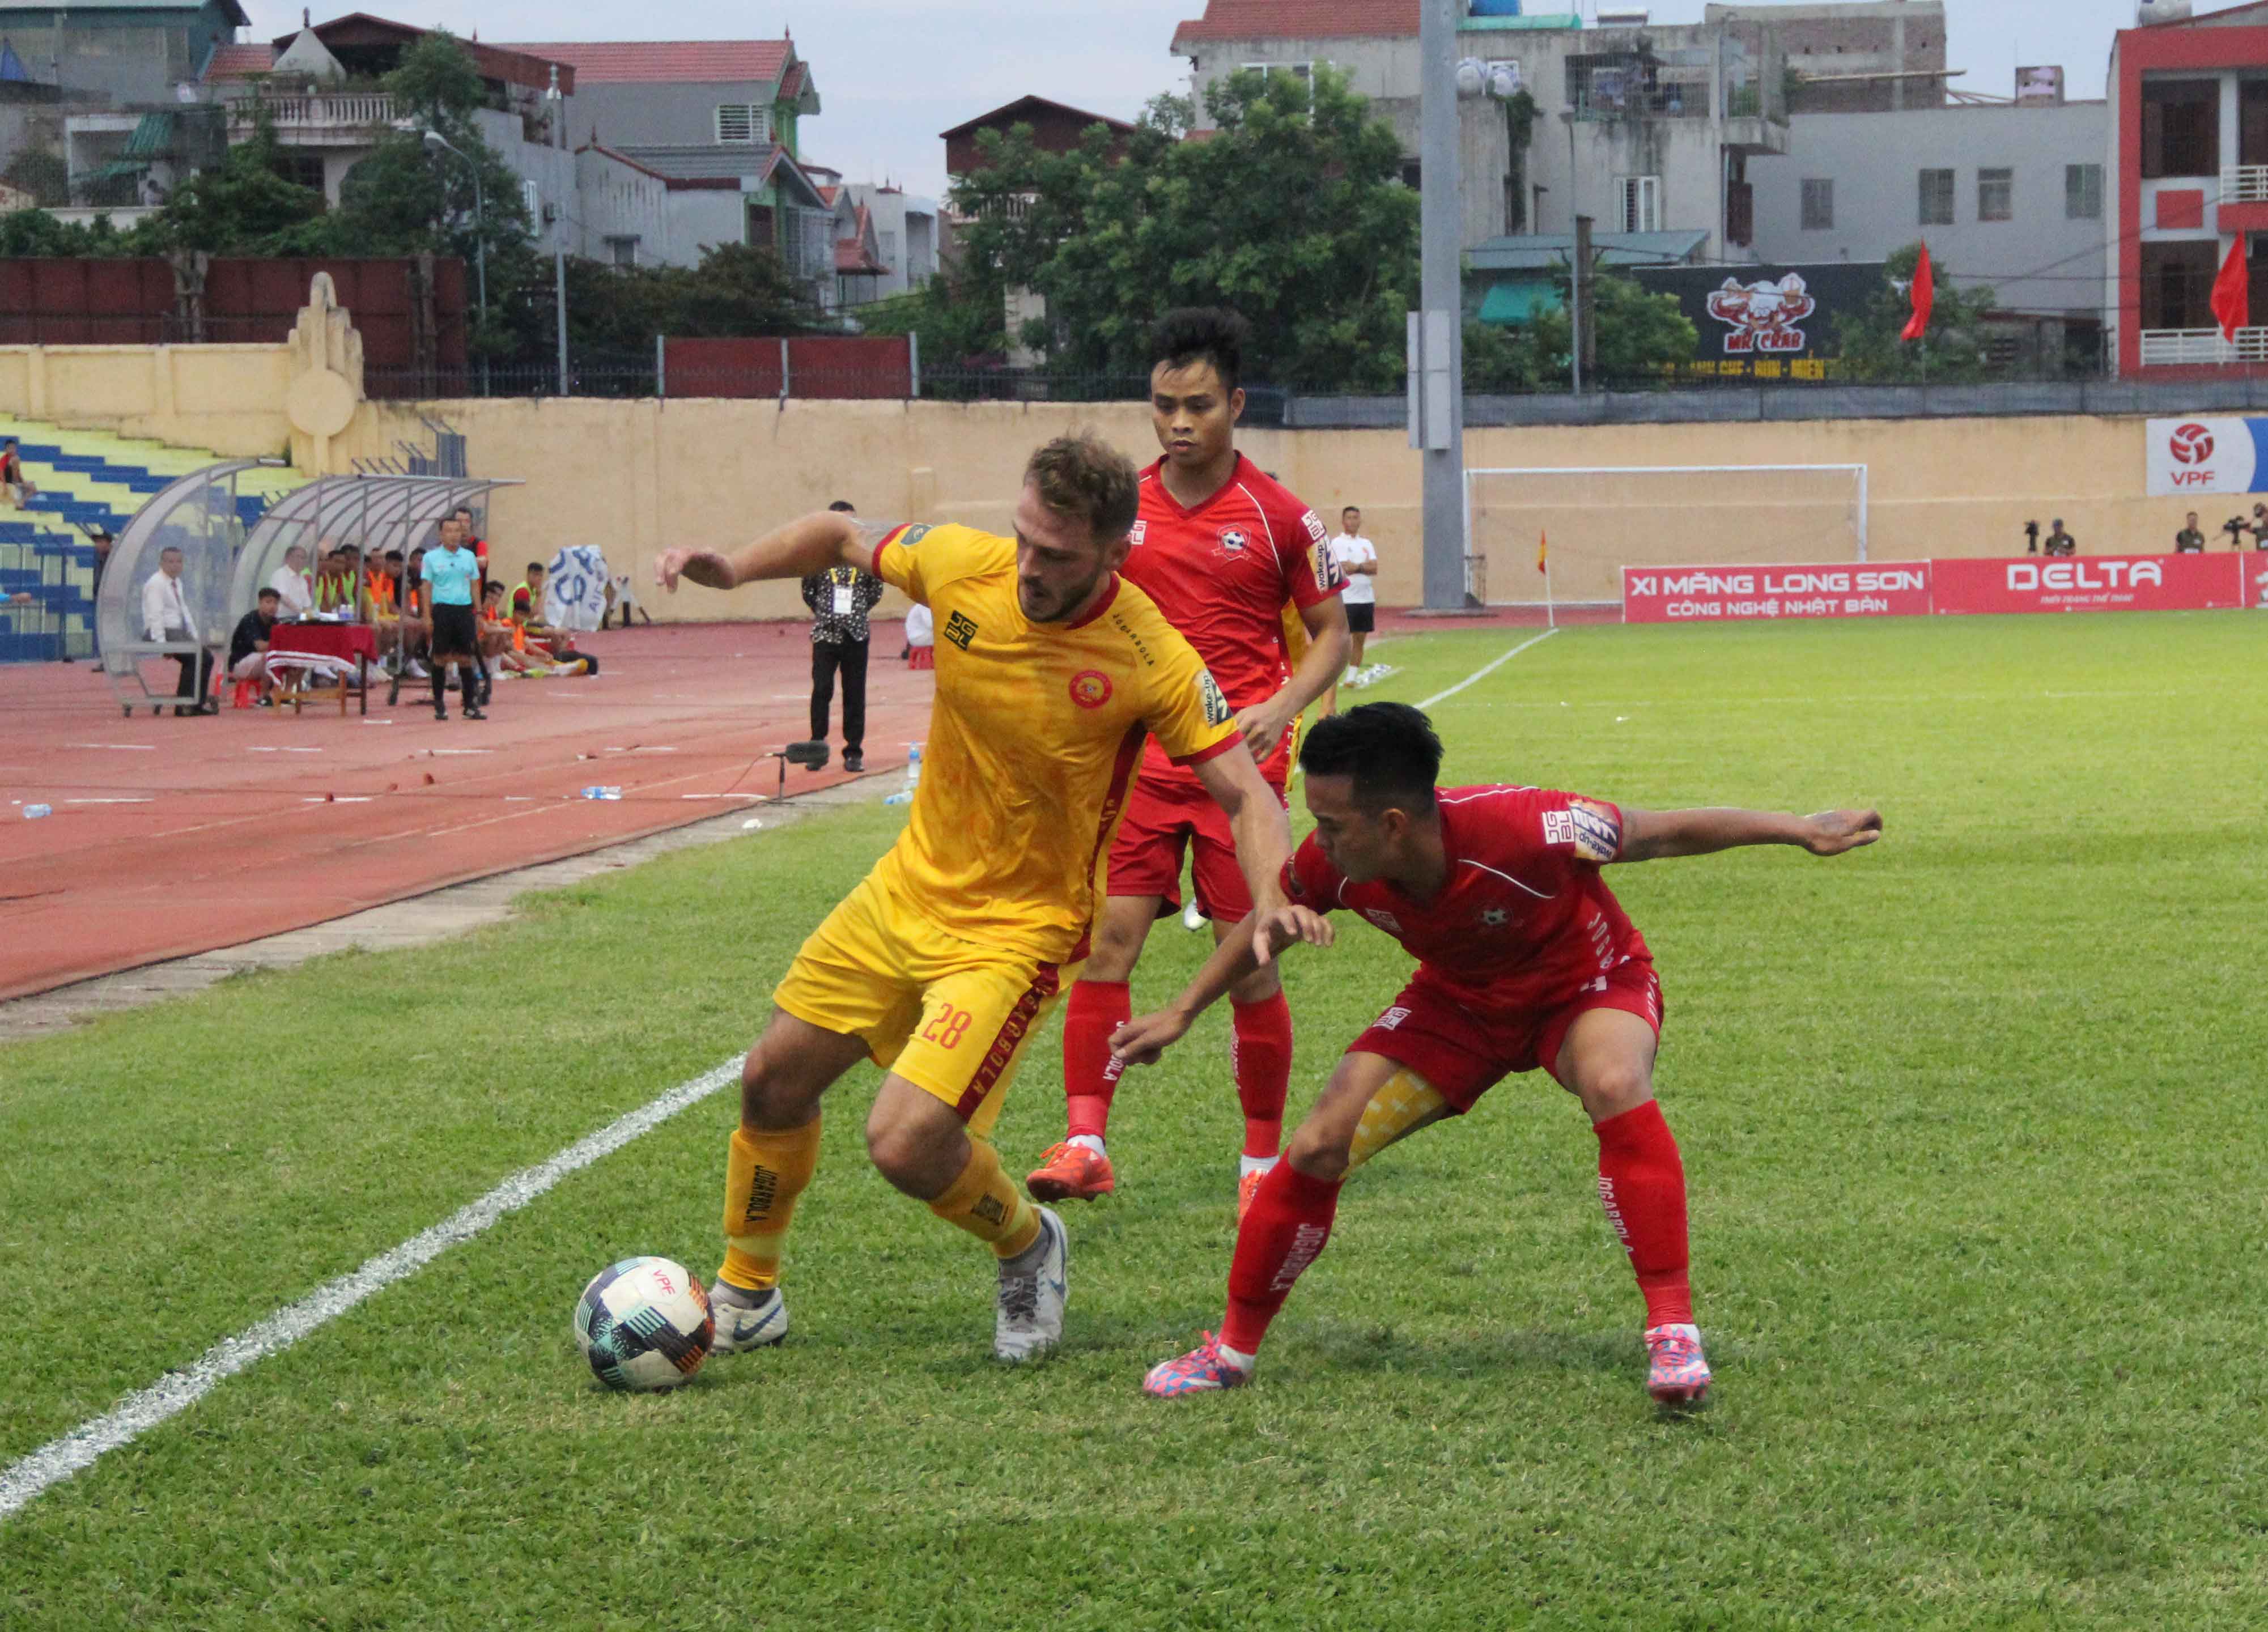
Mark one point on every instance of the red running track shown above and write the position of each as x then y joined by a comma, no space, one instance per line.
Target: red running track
170,837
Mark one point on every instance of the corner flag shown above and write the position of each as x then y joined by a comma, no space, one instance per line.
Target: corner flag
1542,552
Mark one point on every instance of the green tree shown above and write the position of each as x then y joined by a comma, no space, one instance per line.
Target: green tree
41,174
1953,350
405,199
1291,210
245,205
735,289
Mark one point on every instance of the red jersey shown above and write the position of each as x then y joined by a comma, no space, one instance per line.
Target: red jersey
1525,922
1221,574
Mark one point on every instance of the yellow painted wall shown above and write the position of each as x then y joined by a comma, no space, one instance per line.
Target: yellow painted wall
637,477
229,399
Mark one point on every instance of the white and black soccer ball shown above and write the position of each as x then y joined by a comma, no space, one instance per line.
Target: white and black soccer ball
644,1324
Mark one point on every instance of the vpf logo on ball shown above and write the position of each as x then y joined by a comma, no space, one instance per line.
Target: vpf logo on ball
2190,444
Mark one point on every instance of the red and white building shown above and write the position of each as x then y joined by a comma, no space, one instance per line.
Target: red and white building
2189,133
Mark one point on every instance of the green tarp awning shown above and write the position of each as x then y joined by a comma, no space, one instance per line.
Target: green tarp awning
1514,304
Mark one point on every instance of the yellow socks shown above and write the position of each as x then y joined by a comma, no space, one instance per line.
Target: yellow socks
765,1173
984,1203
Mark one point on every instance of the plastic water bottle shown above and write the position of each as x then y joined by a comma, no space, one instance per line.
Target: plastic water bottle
602,793
32,812
905,795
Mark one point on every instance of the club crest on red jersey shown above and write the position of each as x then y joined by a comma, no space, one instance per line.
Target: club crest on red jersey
1233,541
1090,688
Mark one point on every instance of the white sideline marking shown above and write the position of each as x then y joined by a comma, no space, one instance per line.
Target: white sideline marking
117,747
24,1481
1486,670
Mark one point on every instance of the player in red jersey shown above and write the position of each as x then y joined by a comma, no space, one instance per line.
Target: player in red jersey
1526,960
1223,549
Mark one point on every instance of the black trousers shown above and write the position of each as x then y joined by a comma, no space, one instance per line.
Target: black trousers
197,674
849,656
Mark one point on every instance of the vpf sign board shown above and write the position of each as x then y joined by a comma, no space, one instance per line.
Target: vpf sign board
2191,458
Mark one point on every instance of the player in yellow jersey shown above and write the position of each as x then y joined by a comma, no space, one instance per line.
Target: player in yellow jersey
1051,673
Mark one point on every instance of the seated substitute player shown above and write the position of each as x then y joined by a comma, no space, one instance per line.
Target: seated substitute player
1224,549
944,962
1526,960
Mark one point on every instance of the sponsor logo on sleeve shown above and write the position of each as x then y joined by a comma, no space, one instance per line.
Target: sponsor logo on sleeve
1327,566
1134,537
1559,828
1392,1018
911,536
1384,921
1314,525
1598,830
961,629
1216,711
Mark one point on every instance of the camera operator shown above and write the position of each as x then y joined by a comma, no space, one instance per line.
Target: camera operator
2059,542
2189,540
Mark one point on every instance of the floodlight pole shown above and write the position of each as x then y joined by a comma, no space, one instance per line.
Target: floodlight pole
559,227
436,141
1437,350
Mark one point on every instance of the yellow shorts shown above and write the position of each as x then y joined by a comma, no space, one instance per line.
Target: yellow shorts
949,1016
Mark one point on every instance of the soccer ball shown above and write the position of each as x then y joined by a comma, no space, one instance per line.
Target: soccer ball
644,1324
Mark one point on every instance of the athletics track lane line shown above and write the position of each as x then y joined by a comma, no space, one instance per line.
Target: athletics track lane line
25,1480
1486,670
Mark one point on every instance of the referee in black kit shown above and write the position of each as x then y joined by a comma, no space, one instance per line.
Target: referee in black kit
840,598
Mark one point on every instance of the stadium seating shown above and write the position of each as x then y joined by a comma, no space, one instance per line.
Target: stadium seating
87,478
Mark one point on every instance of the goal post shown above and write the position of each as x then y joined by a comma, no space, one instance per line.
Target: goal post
1590,522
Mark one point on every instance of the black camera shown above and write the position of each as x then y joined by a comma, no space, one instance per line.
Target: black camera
2236,526
2031,537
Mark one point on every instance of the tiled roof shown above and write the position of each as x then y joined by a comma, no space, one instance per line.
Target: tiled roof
1301,19
666,61
235,62
1009,113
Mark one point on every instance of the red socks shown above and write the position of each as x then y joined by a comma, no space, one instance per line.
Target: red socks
1261,1058
1284,1233
1095,1009
1642,1186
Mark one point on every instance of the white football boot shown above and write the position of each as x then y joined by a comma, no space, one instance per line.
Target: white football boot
746,1319
1032,1287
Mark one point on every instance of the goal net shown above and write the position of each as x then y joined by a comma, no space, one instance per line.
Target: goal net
1601,519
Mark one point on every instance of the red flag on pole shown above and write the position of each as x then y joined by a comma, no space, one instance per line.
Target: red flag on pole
1542,551
2232,291
1925,298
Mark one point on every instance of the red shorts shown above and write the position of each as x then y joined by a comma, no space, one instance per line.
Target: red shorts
1160,824
1463,1052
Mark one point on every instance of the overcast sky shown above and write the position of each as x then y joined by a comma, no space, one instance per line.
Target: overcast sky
892,73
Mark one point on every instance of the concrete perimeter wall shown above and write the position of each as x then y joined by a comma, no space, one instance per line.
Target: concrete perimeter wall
637,477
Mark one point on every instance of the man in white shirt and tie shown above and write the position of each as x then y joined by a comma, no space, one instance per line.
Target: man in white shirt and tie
1356,558
166,616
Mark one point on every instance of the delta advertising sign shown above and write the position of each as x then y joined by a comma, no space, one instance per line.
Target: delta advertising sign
2191,458
1918,588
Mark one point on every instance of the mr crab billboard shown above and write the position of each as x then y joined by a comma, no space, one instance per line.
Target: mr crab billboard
1773,313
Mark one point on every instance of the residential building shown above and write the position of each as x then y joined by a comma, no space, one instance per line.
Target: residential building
1643,129
1056,127
905,234
320,90
2009,194
687,143
122,52
2188,156
1886,57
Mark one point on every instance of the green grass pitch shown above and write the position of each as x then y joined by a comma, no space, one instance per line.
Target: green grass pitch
1972,1122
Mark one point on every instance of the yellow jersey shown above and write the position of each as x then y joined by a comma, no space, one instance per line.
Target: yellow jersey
1034,740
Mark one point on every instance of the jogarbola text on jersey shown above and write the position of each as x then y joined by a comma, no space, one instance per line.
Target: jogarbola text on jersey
1140,646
